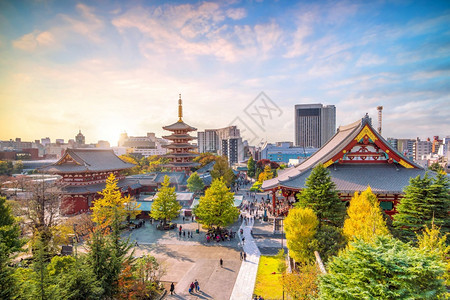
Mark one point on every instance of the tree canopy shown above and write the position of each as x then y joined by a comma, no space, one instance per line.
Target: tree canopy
222,170
112,203
217,208
426,201
322,197
384,269
251,167
165,206
267,174
365,219
300,226
195,183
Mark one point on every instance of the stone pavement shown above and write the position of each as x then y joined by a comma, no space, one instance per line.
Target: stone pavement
245,282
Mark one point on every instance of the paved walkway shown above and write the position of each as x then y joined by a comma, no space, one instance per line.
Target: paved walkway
245,281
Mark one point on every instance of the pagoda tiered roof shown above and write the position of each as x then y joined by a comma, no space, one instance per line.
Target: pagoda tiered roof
180,125
357,156
178,146
87,160
179,137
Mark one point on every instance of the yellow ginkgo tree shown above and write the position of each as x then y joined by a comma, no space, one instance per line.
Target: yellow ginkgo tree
364,217
112,204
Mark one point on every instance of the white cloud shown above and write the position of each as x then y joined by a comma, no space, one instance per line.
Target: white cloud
35,40
236,13
369,59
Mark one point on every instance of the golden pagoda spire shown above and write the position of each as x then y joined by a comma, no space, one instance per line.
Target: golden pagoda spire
180,110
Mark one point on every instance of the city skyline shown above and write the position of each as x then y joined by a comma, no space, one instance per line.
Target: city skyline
108,67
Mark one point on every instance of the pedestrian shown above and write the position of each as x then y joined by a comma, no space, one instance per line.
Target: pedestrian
180,234
191,288
241,255
197,287
245,256
221,263
184,233
183,219
243,241
172,289
136,244
189,234
181,228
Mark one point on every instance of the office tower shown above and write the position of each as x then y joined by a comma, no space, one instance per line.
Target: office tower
315,124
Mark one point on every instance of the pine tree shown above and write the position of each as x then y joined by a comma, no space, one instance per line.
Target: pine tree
10,242
217,208
365,219
165,206
251,167
424,199
300,226
383,269
195,183
321,196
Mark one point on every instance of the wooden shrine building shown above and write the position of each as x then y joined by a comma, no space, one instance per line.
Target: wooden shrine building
180,154
84,173
357,156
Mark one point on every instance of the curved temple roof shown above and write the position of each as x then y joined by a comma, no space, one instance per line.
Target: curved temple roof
87,160
357,173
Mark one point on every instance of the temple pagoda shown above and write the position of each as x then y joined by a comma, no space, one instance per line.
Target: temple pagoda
180,154
357,156
83,174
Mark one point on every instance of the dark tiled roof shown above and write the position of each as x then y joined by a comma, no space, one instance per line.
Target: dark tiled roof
179,126
382,178
206,168
123,184
87,160
154,178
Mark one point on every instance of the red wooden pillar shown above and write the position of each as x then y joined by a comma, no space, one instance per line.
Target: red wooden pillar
273,201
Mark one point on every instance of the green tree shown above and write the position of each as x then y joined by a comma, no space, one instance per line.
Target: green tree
221,169
321,196
205,158
436,167
251,166
426,200
300,226
195,183
384,269
78,281
10,242
365,219
217,208
108,251
165,206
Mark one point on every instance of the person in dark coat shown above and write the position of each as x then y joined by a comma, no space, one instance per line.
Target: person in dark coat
172,289
221,263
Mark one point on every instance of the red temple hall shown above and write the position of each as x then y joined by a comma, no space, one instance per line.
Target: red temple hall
84,173
357,156
180,154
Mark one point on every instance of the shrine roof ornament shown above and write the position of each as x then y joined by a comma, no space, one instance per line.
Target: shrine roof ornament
356,144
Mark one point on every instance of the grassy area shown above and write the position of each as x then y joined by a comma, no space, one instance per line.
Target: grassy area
268,284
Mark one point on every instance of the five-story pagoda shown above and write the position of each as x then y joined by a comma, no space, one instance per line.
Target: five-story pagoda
180,154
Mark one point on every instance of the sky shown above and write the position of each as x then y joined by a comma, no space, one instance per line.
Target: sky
106,67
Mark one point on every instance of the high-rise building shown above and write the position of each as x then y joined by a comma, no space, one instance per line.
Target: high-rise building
315,124
224,141
422,148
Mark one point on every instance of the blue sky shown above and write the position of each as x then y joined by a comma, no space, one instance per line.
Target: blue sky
111,66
